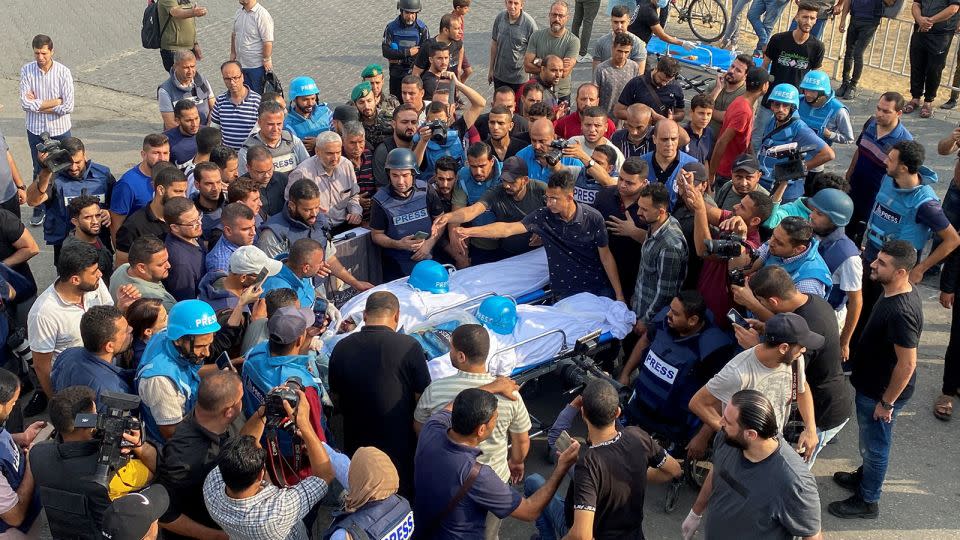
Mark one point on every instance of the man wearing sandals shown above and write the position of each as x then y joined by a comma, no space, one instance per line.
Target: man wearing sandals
949,283
936,21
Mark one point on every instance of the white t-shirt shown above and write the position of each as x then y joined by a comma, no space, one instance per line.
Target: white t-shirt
849,277
251,30
745,371
53,325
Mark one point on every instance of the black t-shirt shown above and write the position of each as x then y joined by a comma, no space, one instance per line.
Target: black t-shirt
520,125
645,17
895,320
626,251
11,229
506,209
610,479
515,145
376,376
662,99
430,84
831,393
140,223
422,60
790,61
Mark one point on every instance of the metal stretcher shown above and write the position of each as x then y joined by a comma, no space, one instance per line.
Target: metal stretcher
706,59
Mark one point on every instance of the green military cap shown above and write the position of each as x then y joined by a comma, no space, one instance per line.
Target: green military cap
371,71
361,90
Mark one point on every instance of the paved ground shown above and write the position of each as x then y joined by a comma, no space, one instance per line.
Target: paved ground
332,44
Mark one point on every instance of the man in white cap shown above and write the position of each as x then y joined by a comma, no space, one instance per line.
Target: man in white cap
134,516
222,290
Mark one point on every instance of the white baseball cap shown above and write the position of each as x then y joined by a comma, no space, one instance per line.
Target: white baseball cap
251,259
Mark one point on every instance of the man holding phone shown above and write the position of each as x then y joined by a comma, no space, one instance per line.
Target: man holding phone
19,504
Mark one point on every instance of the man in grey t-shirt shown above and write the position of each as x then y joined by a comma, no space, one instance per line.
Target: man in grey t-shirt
603,48
555,40
511,31
759,488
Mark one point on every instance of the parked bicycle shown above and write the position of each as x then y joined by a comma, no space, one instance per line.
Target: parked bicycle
707,18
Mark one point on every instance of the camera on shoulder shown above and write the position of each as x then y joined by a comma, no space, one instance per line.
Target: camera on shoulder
111,423
57,157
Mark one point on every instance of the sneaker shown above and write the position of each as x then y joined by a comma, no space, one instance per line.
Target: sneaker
849,480
852,92
584,59
37,404
854,507
37,219
842,91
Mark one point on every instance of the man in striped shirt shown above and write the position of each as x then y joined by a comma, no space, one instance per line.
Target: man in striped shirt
46,96
235,111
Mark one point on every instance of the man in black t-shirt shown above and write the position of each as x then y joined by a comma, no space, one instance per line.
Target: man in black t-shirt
774,288
884,363
605,498
646,23
626,234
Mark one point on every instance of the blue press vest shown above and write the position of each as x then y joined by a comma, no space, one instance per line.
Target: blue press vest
586,189
402,37
894,215
13,466
836,248
404,217
389,519
476,190
321,119
95,182
672,181
668,378
453,148
161,359
284,158
767,163
198,94
262,373
809,265
291,230
817,118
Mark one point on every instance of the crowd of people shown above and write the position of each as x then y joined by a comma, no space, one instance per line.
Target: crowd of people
201,381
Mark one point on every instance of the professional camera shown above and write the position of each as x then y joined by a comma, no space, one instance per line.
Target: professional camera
58,158
792,168
555,153
727,246
276,415
438,131
111,423
737,276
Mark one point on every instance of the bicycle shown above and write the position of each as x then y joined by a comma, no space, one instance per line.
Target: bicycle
707,19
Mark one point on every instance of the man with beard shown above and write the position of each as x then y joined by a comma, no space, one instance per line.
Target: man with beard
618,206
235,111
210,199
386,103
184,84
500,125
85,218
183,136
168,182
570,125
411,93
771,367
271,183
593,124
657,89
541,135
404,123
402,40
375,124
603,48
636,137
239,229
439,62
356,150
306,116
745,179
450,28
756,478
481,175
440,201
400,218
554,41
105,335
549,73
148,266
728,87
286,148
185,247
134,189
333,175
666,161
737,127
510,201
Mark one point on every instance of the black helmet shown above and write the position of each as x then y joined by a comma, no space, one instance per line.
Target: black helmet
401,158
413,6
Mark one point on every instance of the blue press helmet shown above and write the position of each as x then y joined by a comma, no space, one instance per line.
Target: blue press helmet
303,86
429,276
498,313
835,204
785,93
818,81
191,318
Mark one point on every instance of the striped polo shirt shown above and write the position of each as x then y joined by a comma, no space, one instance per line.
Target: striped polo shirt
236,121
56,83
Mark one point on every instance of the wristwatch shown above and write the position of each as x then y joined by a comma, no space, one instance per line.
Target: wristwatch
886,405
591,163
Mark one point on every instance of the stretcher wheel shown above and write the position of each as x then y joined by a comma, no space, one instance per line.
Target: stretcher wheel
695,471
673,495
707,19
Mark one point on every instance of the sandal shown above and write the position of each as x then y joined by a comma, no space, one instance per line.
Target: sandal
943,407
911,106
927,110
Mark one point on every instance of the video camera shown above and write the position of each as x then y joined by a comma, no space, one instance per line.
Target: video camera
729,246
57,157
555,153
793,168
111,423
276,416
438,131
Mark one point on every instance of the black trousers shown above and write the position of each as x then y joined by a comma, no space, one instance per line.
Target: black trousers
951,360
928,57
859,36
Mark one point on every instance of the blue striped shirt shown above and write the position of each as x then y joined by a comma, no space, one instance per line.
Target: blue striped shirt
236,121
57,83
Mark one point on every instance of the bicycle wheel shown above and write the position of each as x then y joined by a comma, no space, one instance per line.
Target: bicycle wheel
707,19
673,495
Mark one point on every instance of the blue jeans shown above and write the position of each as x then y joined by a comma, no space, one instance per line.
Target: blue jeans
551,525
817,30
824,438
763,15
733,27
253,77
876,438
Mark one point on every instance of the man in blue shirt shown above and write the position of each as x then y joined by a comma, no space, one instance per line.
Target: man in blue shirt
239,229
134,190
105,334
536,155
446,459
305,261
183,137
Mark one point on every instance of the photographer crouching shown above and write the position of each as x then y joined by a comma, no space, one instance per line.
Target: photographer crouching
90,459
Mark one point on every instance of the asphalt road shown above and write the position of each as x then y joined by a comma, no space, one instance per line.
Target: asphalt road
332,42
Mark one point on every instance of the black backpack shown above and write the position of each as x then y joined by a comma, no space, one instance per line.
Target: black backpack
150,30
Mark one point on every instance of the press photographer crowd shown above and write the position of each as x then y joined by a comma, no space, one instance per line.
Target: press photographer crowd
300,319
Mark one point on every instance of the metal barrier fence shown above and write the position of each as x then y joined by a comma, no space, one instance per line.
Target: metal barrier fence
888,52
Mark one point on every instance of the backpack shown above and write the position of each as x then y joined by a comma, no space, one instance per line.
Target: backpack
150,30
